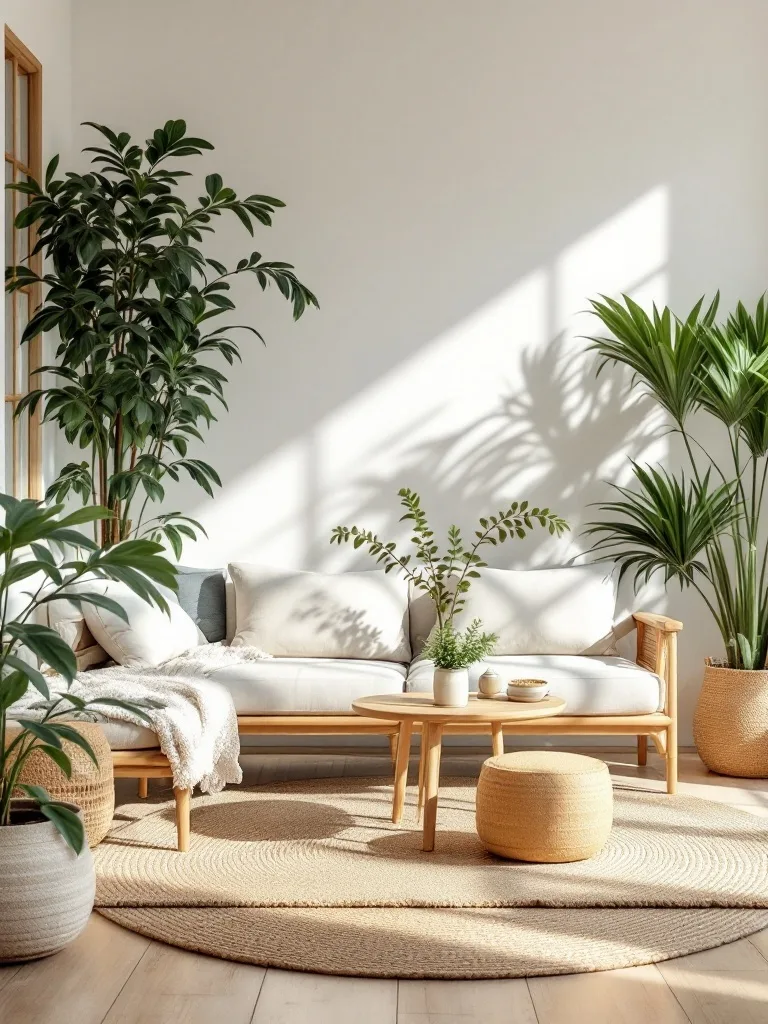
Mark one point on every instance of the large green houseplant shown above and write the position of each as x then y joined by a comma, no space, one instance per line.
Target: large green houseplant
136,304
702,526
447,577
43,855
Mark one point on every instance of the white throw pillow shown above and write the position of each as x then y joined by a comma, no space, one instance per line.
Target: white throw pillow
315,615
544,611
67,618
150,636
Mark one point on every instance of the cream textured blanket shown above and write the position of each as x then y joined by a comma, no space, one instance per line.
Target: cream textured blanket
196,726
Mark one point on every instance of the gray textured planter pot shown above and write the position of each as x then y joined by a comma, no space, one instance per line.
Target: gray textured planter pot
46,892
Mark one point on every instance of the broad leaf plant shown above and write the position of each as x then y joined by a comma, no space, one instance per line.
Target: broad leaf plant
137,304
44,555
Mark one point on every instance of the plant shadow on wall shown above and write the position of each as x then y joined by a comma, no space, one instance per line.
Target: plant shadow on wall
131,295
532,440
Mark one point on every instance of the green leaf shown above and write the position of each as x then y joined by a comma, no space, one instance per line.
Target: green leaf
59,757
45,733
67,732
67,822
213,185
47,645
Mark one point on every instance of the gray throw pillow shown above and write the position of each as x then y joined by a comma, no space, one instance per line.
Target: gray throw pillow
203,598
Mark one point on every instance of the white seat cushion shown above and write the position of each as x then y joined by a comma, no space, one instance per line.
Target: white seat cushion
120,735
127,736
285,686
588,685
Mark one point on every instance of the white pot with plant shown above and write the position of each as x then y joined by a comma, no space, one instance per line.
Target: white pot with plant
705,530
47,887
453,652
447,578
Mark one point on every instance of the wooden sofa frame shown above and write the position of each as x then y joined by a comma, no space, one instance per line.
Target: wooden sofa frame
656,651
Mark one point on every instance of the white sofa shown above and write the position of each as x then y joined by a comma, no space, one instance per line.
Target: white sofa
338,638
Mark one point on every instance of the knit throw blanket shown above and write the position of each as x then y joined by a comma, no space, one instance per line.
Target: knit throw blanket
196,726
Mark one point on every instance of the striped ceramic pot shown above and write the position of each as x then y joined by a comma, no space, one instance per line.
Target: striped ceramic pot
47,891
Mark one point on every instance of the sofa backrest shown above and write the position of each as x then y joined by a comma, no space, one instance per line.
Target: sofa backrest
568,610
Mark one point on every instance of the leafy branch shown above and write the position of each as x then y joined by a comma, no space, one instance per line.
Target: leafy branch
447,577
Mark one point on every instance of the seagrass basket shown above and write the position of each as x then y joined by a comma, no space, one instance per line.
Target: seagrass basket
544,806
730,726
92,789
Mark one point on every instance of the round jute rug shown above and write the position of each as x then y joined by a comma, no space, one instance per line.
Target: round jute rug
314,876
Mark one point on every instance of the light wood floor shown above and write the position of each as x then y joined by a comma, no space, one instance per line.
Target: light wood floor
114,976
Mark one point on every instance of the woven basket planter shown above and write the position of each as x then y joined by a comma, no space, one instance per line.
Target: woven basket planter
47,891
730,727
544,806
92,789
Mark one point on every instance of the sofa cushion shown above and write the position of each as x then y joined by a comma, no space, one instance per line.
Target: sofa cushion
128,736
307,685
544,611
289,614
201,594
120,735
588,685
150,636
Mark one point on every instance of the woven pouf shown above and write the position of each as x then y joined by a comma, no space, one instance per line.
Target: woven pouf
91,788
544,806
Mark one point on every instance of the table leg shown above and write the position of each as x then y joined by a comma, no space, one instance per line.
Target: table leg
401,769
422,762
498,738
431,784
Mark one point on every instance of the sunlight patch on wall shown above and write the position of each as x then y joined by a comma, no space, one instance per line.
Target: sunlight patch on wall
503,404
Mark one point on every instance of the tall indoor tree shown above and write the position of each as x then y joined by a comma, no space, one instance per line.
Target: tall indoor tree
136,304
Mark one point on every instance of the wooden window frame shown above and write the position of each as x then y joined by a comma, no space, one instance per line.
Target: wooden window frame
24,60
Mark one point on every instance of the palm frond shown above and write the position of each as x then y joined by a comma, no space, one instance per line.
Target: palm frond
665,526
663,352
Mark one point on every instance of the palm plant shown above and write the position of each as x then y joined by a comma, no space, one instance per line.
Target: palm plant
43,547
132,297
704,529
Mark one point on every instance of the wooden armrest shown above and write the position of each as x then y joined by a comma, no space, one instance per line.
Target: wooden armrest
661,622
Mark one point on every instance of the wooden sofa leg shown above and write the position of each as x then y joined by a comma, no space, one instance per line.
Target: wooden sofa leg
672,759
143,788
393,747
642,751
182,819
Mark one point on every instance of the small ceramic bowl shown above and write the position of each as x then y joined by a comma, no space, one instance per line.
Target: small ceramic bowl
529,690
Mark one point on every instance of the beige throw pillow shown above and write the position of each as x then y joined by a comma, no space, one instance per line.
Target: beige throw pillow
290,614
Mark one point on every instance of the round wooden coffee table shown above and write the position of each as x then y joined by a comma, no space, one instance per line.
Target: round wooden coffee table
410,708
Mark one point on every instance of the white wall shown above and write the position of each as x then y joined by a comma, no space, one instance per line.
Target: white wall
45,26
459,178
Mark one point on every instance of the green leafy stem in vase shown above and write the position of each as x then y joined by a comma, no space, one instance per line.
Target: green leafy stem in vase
447,577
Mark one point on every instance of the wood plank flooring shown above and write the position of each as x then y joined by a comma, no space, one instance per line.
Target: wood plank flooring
113,976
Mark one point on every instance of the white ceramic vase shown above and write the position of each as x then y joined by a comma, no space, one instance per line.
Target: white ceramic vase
47,891
450,687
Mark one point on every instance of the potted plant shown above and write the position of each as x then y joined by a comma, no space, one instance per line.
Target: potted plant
703,528
133,298
446,578
46,869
